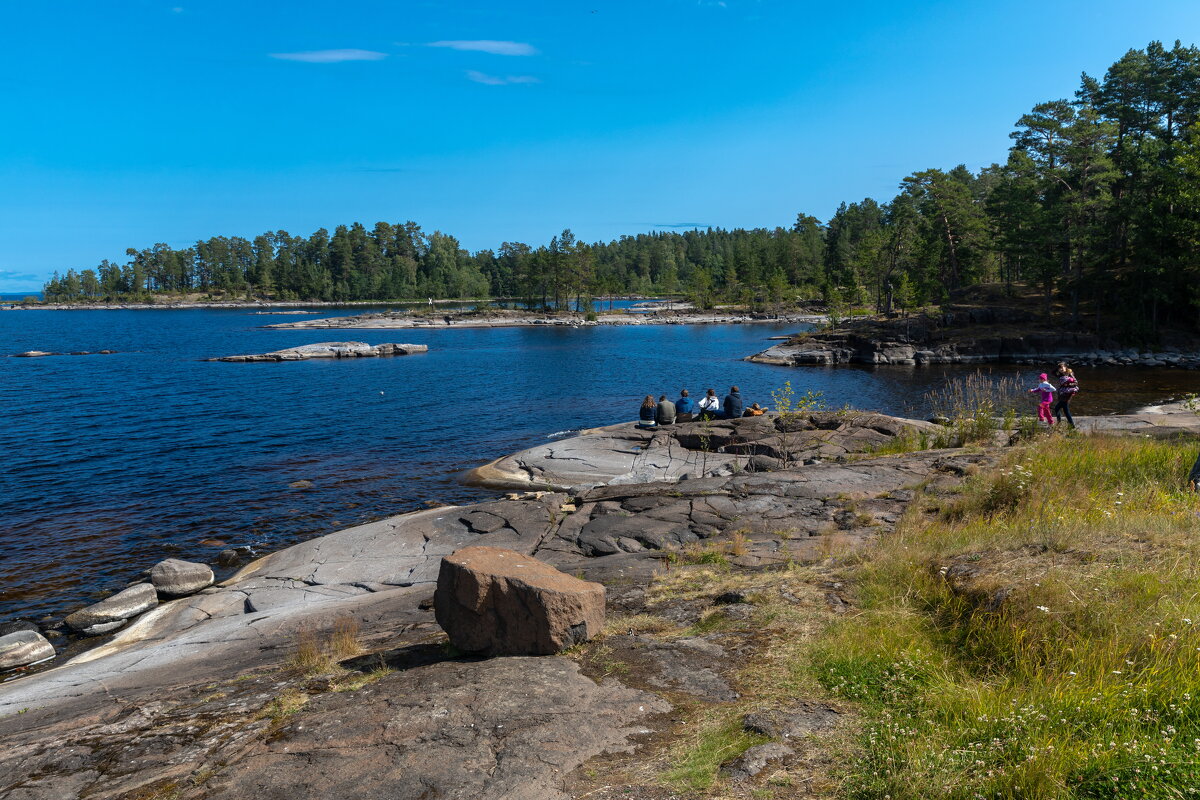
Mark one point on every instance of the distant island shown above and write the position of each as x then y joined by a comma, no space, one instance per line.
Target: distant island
1096,207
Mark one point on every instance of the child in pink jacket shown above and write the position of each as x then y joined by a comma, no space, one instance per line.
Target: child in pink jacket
1047,397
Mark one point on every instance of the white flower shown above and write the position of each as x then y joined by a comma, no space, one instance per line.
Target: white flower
1043,608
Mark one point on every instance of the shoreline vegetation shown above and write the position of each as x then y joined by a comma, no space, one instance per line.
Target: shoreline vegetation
1094,207
983,324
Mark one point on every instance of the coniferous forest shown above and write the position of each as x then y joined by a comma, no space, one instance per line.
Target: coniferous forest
1097,205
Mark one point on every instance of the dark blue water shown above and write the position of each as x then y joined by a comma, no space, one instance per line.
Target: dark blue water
111,463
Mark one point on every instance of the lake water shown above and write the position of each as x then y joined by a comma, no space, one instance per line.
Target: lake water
111,463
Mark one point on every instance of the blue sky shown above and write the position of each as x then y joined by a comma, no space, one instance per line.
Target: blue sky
129,123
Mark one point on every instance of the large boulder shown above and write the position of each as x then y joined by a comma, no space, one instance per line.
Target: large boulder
110,614
175,578
500,602
23,648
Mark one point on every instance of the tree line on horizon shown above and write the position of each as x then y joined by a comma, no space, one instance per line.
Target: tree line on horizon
1097,205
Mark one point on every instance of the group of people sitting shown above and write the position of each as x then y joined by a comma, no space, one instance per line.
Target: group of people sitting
685,409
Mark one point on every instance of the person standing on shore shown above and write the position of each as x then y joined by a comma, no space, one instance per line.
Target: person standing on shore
733,403
1046,392
1068,387
709,405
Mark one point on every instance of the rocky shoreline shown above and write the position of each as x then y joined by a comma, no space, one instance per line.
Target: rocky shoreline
513,319
195,304
973,336
199,697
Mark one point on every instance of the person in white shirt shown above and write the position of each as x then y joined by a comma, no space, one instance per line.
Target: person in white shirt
710,405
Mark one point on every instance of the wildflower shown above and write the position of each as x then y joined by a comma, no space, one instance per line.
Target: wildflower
1043,608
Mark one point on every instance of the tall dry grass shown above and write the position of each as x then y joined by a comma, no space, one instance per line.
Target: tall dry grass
1083,680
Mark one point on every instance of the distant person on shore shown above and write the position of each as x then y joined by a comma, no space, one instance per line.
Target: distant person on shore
664,414
685,407
1068,387
1046,397
753,411
733,403
647,413
710,406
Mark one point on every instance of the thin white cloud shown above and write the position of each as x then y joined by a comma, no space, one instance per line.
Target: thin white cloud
496,48
330,56
499,80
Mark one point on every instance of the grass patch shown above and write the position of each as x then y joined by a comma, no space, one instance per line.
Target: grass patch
357,680
318,652
1035,638
285,704
716,738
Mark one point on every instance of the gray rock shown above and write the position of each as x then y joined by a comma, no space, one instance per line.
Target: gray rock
110,614
23,648
764,463
228,558
176,578
754,760
499,729
18,625
791,723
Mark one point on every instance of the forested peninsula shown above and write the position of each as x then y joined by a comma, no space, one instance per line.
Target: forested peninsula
1097,205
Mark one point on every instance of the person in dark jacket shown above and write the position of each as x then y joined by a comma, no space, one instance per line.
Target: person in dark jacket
685,406
647,413
665,413
733,404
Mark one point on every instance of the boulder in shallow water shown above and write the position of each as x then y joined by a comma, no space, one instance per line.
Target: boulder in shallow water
501,602
176,578
110,614
23,648
18,625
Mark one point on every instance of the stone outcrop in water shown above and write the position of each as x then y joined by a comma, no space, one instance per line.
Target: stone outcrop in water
44,353
330,350
499,602
21,648
110,614
176,578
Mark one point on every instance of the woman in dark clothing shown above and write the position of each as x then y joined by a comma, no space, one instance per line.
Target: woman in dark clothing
1068,387
646,413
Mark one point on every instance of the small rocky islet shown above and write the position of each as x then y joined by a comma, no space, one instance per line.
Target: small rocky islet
188,697
329,350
